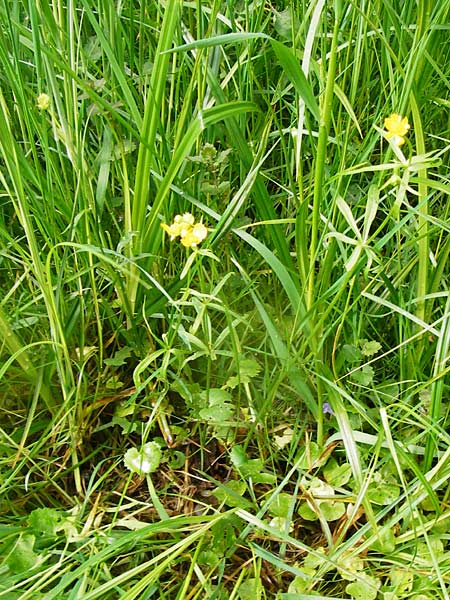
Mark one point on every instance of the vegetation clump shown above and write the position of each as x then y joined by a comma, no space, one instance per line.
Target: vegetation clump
225,315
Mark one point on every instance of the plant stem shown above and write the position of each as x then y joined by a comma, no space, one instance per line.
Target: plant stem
324,127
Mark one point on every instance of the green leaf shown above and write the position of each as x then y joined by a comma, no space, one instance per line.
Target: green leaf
238,456
144,460
370,348
364,376
248,589
313,561
365,588
350,566
176,459
337,475
23,557
384,542
114,383
217,413
432,548
401,580
351,353
332,511
45,524
250,468
284,438
209,558
310,457
224,533
307,513
291,66
216,396
248,368
285,23
321,502
297,588
119,357
126,426
45,521
281,505
382,491
231,494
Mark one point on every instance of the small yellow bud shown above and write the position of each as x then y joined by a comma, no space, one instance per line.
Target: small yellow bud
43,101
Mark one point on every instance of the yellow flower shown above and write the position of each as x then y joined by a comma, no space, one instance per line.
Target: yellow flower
396,127
43,101
185,227
194,236
186,219
180,226
173,230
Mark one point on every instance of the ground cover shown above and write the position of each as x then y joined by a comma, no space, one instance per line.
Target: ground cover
225,313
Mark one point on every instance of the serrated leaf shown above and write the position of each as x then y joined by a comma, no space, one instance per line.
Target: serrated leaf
248,368
351,353
126,426
312,561
45,522
119,358
114,383
297,587
143,460
208,558
401,579
383,493
249,589
364,376
284,439
370,348
215,396
433,547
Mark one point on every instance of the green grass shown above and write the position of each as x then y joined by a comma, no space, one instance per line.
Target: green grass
288,378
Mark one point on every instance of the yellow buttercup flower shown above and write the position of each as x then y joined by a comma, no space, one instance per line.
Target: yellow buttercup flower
184,226
43,101
181,226
396,128
173,230
192,238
